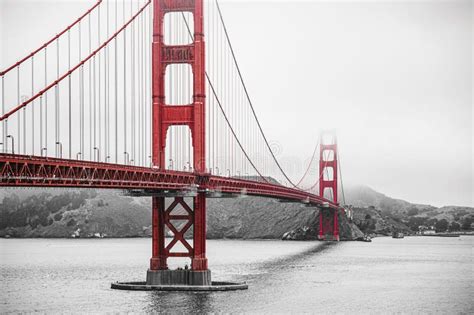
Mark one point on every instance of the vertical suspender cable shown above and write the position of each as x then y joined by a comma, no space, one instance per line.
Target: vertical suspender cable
169,89
340,176
81,98
144,157
95,111
45,103
190,89
216,75
106,83
132,103
107,104
19,114
124,89
143,88
57,100
116,87
139,81
144,98
139,94
24,128
32,106
179,93
99,108
149,101
90,92
69,92
4,123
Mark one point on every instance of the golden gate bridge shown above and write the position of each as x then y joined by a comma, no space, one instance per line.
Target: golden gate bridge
148,97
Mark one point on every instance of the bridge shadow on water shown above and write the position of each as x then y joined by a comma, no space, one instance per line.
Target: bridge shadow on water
260,276
288,261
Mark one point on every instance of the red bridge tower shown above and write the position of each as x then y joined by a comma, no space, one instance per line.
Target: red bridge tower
165,116
328,217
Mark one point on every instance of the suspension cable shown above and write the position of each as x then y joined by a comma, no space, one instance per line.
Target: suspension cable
340,177
222,110
248,97
309,165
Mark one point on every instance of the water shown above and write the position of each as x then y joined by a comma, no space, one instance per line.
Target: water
411,275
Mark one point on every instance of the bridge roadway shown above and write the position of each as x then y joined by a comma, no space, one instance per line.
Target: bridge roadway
34,171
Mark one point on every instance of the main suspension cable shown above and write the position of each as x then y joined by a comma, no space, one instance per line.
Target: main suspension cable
222,110
248,97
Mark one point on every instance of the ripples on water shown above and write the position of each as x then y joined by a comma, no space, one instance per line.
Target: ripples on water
411,275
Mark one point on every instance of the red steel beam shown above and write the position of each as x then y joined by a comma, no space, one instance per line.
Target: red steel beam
34,171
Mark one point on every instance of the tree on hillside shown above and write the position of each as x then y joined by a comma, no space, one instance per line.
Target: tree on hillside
441,225
412,211
432,222
466,223
415,222
454,226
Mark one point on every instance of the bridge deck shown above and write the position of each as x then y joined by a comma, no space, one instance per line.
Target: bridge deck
34,171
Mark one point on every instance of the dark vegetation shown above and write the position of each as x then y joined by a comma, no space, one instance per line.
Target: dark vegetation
41,209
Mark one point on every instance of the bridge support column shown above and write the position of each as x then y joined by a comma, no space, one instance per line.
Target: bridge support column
199,260
158,260
328,224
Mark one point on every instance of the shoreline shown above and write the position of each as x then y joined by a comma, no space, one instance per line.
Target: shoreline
471,233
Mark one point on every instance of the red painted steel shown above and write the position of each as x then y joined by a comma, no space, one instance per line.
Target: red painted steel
328,218
329,224
191,115
158,259
34,171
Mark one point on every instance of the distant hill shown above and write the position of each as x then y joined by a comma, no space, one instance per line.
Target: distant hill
364,196
388,213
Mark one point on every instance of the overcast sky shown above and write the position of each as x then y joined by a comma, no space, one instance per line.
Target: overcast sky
394,78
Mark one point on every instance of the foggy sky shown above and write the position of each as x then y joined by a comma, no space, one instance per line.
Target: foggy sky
394,78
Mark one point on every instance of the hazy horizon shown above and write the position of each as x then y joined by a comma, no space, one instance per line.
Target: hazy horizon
394,78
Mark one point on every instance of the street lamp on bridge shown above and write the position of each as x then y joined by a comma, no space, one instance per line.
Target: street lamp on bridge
126,157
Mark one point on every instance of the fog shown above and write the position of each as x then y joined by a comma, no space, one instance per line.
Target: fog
393,78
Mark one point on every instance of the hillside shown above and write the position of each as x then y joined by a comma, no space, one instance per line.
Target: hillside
377,213
64,212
